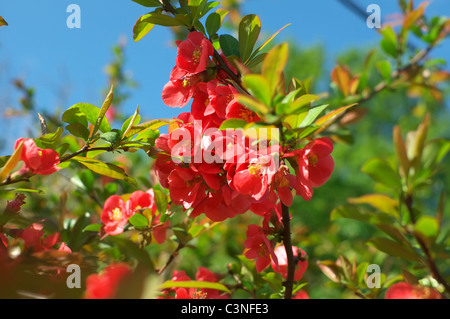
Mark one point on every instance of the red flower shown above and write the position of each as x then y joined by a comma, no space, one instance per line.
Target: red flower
282,266
33,237
177,93
194,52
236,110
259,247
37,160
115,215
186,187
105,284
315,165
403,290
254,176
301,295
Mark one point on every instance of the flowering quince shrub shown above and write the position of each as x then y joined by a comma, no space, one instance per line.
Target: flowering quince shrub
246,143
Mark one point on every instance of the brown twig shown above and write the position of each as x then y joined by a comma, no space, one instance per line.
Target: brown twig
289,283
171,258
423,246
383,85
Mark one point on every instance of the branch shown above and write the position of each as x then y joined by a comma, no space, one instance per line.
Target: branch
171,258
86,149
383,85
289,283
430,261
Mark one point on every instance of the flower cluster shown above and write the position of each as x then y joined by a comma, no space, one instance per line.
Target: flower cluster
223,173
116,213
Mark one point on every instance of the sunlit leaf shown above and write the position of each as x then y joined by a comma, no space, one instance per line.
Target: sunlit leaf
194,284
382,172
105,169
394,248
249,29
381,202
259,87
138,220
273,65
141,28
11,163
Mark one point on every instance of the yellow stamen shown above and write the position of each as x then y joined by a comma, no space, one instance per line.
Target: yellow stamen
196,55
254,169
116,214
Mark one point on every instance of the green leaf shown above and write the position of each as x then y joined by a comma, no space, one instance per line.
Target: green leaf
229,45
329,116
381,202
249,29
101,115
297,105
141,28
77,238
313,114
395,249
105,169
259,87
148,3
361,271
93,227
131,250
385,69
130,122
78,130
194,284
113,137
434,151
81,112
273,66
360,214
214,21
74,115
161,201
138,220
253,56
389,43
382,172
50,140
151,125
427,228
233,124
208,7
160,19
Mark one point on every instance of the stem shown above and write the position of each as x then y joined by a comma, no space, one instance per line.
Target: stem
171,258
222,65
85,149
289,283
383,85
430,261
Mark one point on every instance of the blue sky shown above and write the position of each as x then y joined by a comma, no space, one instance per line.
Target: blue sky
38,47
